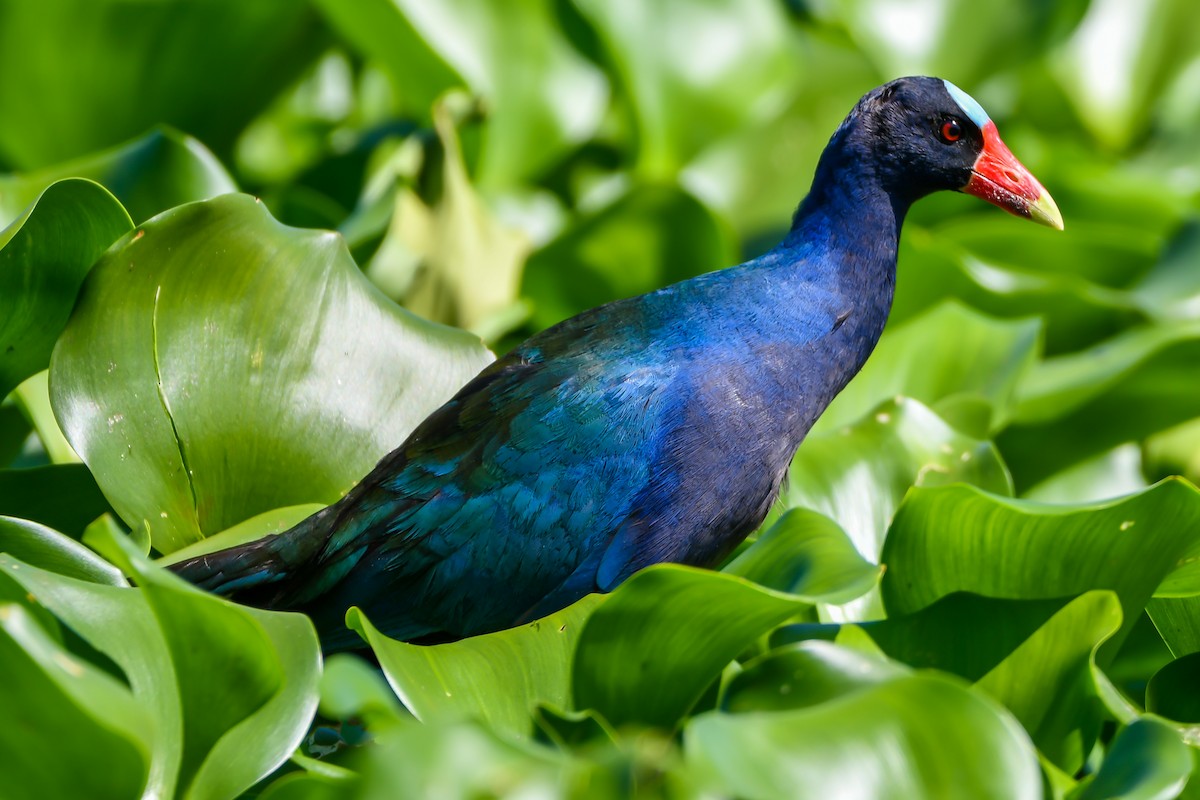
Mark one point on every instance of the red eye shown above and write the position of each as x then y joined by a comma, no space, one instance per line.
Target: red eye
951,131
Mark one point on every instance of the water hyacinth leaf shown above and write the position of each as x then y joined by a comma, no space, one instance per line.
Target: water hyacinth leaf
662,637
352,688
61,496
43,547
33,398
54,703
247,678
1000,643
958,538
540,96
91,59
1172,692
261,525
498,678
118,622
313,372
858,475
804,674
1113,474
1146,44
1177,619
1146,761
199,682
913,736
694,74
1074,311
957,39
806,553
948,351
159,170
45,253
1119,390
468,264
650,236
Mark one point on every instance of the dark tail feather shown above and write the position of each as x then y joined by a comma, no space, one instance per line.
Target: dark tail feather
250,571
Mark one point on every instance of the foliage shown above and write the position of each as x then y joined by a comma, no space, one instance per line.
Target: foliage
970,587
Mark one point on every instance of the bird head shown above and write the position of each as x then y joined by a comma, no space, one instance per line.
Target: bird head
926,135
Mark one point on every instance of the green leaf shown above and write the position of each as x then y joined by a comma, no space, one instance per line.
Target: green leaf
69,729
50,550
958,538
914,736
1145,44
239,727
804,674
1172,691
693,74
1073,310
662,637
498,678
649,237
215,65
960,40
33,398
311,373
351,688
257,527
1177,619
806,553
230,690
465,265
948,352
44,255
160,170
541,97
61,496
1146,761
1122,389
858,475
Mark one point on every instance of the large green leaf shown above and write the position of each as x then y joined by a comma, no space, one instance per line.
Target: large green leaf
914,736
1074,311
948,353
160,170
1172,692
806,553
1177,620
454,262
957,39
650,651
69,729
805,674
1034,656
1122,389
540,96
44,255
858,475
694,73
958,538
195,412
1120,60
498,678
648,237
1146,761
214,65
50,550
228,691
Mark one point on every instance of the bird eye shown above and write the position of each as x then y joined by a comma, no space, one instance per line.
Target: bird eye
951,130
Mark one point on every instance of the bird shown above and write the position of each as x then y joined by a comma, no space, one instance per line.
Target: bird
656,428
